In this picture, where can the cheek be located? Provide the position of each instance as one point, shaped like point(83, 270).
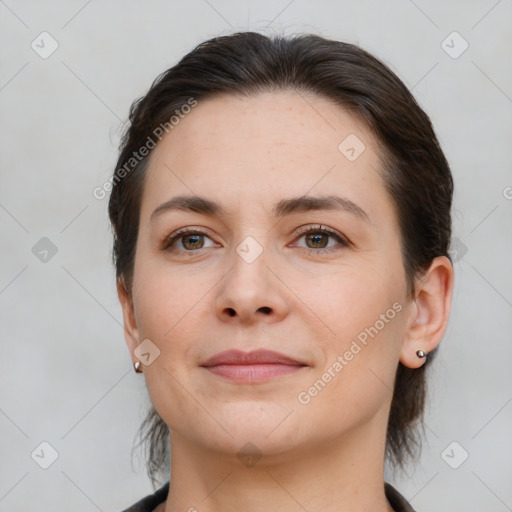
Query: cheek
point(165, 310)
point(356, 379)
point(170, 310)
point(363, 320)
point(349, 298)
point(164, 299)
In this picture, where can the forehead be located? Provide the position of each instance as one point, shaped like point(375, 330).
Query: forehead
point(265, 147)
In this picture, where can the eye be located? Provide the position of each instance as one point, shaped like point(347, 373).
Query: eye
point(190, 239)
point(318, 237)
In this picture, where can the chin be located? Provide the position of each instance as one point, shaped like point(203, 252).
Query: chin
point(256, 444)
point(267, 431)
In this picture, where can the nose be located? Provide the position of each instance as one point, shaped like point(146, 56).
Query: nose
point(251, 291)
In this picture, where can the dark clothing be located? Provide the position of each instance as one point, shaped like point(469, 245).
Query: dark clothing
point(396, 500)
point(150, 502)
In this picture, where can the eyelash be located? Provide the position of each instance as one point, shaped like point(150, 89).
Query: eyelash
point(167, 243)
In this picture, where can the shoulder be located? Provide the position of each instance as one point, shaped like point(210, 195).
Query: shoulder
point(396, 500)
point(151, 501)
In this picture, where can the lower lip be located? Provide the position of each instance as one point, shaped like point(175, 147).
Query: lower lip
point(248, 373)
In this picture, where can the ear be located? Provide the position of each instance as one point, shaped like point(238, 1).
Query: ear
point(131, 332)
point(429, 313)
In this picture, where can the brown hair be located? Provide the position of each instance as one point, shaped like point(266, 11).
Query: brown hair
point(415, 171)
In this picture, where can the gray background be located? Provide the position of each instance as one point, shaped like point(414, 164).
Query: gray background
point(65, 373)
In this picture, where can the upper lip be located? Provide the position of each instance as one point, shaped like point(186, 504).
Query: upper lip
point(260, 356)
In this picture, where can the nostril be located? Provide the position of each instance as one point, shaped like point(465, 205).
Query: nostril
point(231, 312)
point(265, 309)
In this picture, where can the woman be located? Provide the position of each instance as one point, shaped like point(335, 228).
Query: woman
point(281, 217)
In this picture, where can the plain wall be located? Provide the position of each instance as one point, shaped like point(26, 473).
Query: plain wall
point(65, 372)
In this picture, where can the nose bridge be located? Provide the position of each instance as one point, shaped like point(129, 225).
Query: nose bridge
point(249, 264)
point(249, 288)
point(250, 249)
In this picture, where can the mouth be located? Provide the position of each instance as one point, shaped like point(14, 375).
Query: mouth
point(251, 367)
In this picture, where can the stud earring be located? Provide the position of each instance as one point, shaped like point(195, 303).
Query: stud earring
point(137, 367)
point(421, 354)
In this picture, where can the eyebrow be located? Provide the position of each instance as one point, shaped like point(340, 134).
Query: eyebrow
point(285, 207)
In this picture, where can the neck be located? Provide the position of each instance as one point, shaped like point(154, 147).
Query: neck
point(344, 474)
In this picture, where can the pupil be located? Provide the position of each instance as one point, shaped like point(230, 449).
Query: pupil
point(188, 237)
point(316, 238)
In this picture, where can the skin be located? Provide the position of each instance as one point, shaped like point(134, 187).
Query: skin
point(248, 154)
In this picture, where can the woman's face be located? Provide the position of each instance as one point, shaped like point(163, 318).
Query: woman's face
point(254, 279)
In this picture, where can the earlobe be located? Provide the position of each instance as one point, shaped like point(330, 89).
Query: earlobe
point(131, 333)
point(430, 314)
